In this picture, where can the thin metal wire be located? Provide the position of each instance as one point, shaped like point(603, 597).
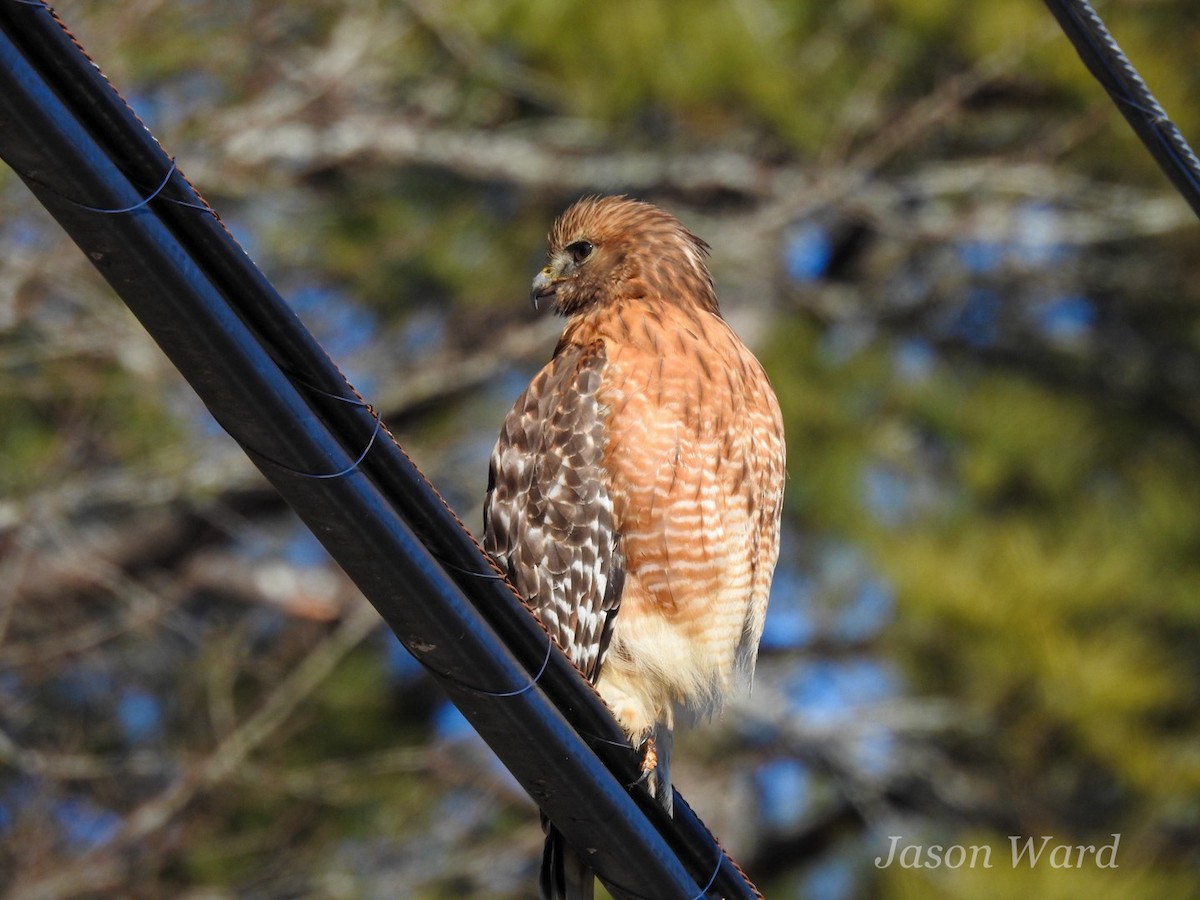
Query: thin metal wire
point(703, 895)
point(483, 692)
point(712, 880)
point(339, 474)
point(474, 573)
point(140, 204)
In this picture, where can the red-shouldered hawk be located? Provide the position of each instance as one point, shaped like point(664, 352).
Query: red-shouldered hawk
point(635, 490)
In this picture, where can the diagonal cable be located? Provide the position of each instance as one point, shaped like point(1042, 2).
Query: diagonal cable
point(1111, 67)
point(84, 154)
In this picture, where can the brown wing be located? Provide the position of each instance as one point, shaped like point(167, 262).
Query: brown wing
point(548, 517)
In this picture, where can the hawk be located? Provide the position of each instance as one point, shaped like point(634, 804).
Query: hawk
point(635, 490)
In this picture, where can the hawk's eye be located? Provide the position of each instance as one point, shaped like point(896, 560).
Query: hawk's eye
point(580, 250)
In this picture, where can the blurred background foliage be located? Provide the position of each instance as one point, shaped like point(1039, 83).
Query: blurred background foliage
point(974, 292)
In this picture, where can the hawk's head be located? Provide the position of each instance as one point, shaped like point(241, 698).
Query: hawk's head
point(608, 248)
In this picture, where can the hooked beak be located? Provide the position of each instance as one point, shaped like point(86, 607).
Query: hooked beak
point(544, 285)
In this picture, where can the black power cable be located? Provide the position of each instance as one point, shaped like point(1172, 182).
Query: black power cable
point(1109, 65)
point(74, 141)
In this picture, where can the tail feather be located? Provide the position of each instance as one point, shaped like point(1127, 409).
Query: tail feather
point(660, 778)
point(565, 875)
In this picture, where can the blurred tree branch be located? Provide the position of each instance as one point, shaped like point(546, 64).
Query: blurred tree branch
point(107, 866)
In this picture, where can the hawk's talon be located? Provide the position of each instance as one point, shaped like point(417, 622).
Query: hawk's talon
point(649, 757)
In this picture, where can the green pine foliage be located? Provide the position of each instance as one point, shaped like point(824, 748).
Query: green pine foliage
point(1048, 580)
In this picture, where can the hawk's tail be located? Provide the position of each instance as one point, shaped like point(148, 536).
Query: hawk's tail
point(565, 875)
point(660, 777)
